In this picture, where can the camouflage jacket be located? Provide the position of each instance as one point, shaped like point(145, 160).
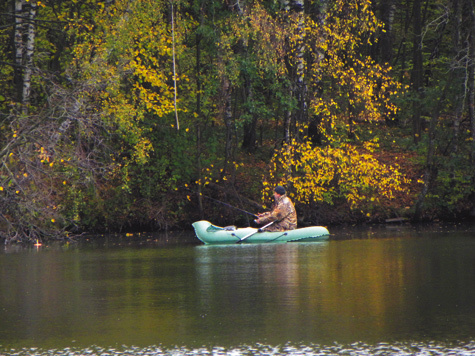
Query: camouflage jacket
point(283, 213)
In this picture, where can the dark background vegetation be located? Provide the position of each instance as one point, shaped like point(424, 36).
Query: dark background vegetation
point(149, 115)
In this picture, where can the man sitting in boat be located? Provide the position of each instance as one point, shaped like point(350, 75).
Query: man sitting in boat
point(283, 213)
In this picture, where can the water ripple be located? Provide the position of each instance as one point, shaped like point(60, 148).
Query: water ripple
point(355, 349)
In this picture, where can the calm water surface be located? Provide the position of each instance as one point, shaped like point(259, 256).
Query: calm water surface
point(385, 290)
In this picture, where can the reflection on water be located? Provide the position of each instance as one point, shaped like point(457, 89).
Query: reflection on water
point(404, 292)
point(367, 290)
point(359, 348)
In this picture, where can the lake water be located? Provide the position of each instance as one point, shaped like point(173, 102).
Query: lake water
point(388, 290)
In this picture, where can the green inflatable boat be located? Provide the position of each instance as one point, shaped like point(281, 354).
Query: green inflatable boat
point(212, 234)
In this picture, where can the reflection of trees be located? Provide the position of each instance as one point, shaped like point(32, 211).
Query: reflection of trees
point(352, 290)
point(253, 290)
point(135, 296)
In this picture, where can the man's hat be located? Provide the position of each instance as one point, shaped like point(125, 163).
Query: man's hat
point(280, 190)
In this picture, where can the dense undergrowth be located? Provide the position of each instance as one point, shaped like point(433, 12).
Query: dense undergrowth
point(149, 115)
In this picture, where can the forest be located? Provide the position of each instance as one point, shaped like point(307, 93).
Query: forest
point(147, 115)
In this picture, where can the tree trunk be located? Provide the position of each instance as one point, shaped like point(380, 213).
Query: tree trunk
point(199, 195)
point(401, 51)
point(287, 124)
point(18, 42)
point(300, 87)
point(249, 128)
point(24, 41)
point(198, 123)
point(387, 9)
point(177, 123)
point(456, 18)
point(297, 74)
point(29, 52)
point(470, 13)
point(416, 74)
point(228, 121)
point(430, 171)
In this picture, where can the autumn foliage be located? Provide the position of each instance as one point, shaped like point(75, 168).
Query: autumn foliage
point(120, 115)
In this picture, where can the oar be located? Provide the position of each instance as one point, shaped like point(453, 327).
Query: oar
point(255, 232)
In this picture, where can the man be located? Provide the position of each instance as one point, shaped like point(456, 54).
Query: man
point(283, 213)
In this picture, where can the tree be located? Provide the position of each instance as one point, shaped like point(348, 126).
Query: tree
point(348, 177)
point(471, 90)
point(24, 45)
point(416, 73)
point(356, 88)
point(387, 9)
point(94, 141)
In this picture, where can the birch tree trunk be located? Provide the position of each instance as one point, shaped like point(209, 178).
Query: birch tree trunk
point(24, 41)
point(18, 42)
point(29, 52)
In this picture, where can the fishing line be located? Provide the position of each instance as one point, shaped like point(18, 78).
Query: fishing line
point(221, 202)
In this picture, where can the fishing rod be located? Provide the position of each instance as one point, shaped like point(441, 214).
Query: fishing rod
point(230, 206)
point(223, 203)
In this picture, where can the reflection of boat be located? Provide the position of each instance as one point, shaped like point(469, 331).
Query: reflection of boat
point(212, 234)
